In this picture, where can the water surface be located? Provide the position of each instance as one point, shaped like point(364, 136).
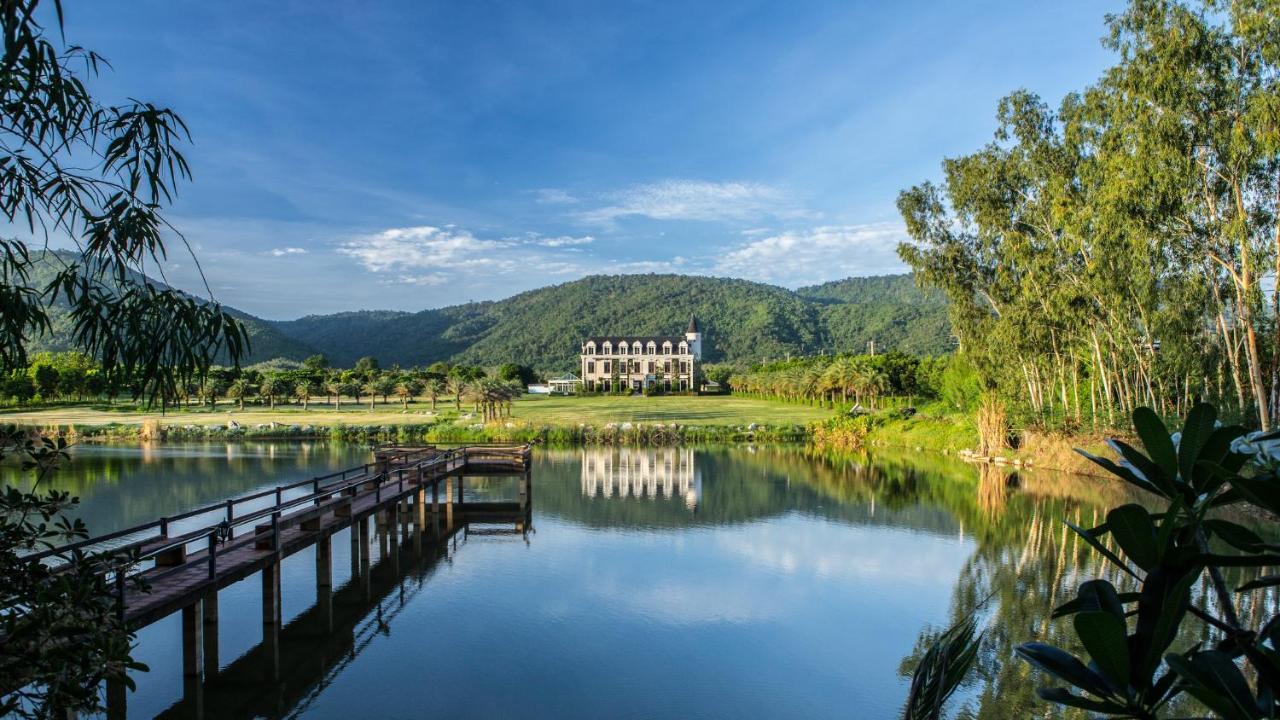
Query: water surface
point(691, 583)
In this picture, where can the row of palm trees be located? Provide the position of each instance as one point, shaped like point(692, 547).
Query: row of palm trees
point(490, 395)
point(818, 380)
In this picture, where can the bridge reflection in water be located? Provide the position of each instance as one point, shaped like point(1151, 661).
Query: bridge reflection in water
point(622, 472)
point(395, 553)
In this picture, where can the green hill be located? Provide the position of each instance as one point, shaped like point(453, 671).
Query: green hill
point(743, 321)
point(266, 342)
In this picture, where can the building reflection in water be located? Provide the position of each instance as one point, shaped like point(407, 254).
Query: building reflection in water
point(641, 473)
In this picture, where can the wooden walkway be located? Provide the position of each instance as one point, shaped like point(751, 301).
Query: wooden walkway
point(165, 573)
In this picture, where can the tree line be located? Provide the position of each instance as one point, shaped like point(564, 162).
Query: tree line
point(75, 376)
point(1121, 249)
point(853, 379)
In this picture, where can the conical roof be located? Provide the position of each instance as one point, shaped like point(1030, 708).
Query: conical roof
point(693, 325)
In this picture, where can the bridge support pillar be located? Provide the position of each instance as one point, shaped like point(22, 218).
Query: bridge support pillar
point(355, 550)
point(523, 490)
point(193, 640)
point(271, 618)
point(435, 497)
point(324, 582)
point(448, 501)
point(210, 630)
point(365, 573)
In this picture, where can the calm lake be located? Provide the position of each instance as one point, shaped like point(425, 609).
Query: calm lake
point(684, 583)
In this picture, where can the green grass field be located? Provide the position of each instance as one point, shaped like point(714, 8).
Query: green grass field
point(531, 410)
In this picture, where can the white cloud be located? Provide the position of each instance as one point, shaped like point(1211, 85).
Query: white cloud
point(565, 241)
point(553, 196)
point(806, 257)
point(281, 252)
point(423, 247)
point(687, 200)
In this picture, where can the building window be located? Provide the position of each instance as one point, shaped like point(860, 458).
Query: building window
point(666, 367)
point(635, 366)
point(651, 364)
point(591, 348)
point(604, 366)
point(666, 348)
point(591, 366)
point(622, 348)
point(608, 348)
point(652, 348)
point(591, 385)
point(684, 348)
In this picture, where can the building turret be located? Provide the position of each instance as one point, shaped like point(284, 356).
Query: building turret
point(694, 336)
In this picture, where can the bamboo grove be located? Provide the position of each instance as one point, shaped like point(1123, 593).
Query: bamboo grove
point(1122, 250)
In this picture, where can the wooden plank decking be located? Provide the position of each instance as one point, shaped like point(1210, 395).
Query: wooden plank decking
point(188, 566)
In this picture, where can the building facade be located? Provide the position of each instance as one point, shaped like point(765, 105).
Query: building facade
point(617, 363)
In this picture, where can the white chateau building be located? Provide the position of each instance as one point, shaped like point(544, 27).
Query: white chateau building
point(612, 363)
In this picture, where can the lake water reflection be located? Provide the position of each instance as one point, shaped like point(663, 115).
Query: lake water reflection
point(680, 582)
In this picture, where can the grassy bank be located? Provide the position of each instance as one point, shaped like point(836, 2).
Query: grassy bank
point(935, 427)
point(559, 420)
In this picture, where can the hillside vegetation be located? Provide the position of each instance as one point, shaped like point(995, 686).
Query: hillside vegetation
point(743, 322)
point(267, 342)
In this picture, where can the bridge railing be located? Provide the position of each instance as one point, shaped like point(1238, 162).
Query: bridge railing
point(413, 463)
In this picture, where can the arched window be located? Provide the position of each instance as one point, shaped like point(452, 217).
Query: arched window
point(684, 348)
point(622, 348)
point(652, 348)
point(666, 348)
point(591, 348)
point(608, 348)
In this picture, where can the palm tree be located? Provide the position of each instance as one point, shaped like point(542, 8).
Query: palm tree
point(239, 390)
point(406, 390)
point(351, 389)
point(383, 386)
point(270, 389)
point(303, 392)
point(434, 388)
point(335, 388)
point(211, 389)
point(456, 387)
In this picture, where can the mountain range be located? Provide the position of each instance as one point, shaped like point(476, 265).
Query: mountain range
point(742, 322)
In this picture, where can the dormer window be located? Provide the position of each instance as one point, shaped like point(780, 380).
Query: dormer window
point(666, 348)
point(622, 348)
point(652, 348)
point(684, 348)
point(608, 348)
point(591, 348)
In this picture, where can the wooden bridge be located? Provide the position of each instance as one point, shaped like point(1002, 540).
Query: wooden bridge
point(170, 570)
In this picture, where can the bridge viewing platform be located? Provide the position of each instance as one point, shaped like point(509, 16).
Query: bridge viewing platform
point(179, 563)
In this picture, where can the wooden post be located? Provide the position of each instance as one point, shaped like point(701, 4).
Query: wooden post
point(366, 589)
point(211, 661)
point(435, 496)
point(271, 619)
point(448, 501)
point(324, 564)
point(420, 508)
point(355, 551)
point(324, 581)
point(193, 640)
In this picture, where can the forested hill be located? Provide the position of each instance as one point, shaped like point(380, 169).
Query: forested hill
point(742, 321)
point(265, 341)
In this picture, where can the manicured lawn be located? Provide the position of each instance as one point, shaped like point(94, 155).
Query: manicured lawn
point(533, 409)
point(701, 410)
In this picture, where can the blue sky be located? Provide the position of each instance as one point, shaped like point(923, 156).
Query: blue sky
point(405, 155)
